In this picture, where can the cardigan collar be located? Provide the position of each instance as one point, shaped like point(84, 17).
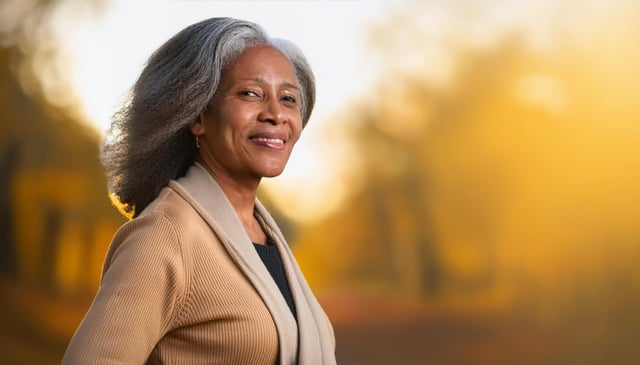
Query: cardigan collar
point(310, 340)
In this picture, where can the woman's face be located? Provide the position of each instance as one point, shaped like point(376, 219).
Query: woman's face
point(253, 121)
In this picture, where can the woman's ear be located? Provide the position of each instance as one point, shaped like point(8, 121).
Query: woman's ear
point(197, 128)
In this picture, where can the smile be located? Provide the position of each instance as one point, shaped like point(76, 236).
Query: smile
point(276, 143)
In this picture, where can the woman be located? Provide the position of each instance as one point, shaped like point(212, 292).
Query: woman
point(202, 274)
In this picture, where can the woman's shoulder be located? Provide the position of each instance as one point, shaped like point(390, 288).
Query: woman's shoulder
point(169, 204)
point(166, 222)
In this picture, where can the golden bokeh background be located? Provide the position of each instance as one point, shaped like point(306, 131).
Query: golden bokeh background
point(489, 184)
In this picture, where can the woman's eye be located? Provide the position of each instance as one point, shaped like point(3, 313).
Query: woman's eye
point(289, 99)
point(248, 93)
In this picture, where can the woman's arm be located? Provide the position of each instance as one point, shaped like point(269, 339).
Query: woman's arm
point(142, 284)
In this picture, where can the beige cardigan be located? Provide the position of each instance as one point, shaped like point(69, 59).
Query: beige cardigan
point(183, 284)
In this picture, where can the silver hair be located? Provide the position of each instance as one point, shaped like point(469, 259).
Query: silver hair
point(150, 141)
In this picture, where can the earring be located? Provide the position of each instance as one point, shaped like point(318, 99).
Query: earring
point(198, 142)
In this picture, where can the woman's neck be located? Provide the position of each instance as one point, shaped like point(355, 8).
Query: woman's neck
point(242, 196)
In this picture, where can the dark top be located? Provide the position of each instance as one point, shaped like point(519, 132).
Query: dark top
point(271, 258)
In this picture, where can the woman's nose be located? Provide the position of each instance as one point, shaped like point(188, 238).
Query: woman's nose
point(272, 112)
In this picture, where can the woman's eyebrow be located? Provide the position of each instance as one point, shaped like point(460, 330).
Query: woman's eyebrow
point(289, 85)
point(261, 80)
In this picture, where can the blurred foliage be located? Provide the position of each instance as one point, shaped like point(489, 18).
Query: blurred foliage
point(508, 185)
point(493, 203)
point(55, 205)
point(55, 216)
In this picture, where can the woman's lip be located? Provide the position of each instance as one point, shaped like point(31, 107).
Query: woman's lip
point(270, 135)
point(271, 140)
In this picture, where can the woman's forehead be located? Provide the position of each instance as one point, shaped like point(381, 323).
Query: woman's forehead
point(261, 62)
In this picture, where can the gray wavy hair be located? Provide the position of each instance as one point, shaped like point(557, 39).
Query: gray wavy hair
point(150, 141)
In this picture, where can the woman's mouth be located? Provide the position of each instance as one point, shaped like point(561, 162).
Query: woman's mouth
point(271, 142)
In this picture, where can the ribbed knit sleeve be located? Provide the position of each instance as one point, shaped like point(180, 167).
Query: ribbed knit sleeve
point(182, 284)
point(143, 282)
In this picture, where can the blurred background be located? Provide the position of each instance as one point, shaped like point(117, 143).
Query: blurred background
point(467, 192)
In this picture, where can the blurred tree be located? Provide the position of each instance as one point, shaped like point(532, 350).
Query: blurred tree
point(8, 162)
point(51, 175)
point(497, 176)
point(510, 176)
point(56, 219)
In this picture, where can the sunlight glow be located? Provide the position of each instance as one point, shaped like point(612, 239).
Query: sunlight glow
point(109, 53)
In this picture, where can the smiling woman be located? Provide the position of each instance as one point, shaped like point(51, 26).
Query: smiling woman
point(202, 272)
point(253, 120)
point(109, 52)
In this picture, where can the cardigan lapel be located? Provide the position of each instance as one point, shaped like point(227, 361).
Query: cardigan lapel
point(205, 195)
point(316, 344)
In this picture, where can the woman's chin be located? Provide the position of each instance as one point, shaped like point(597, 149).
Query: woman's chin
point(272, 169)
point(272, 173)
